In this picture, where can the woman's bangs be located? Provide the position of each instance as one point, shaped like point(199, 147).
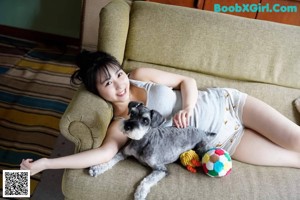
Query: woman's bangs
point(105, 73)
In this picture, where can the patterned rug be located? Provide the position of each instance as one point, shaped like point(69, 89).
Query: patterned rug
point(34, 93)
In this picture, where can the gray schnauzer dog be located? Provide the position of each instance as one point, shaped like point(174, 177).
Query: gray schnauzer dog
point(154, 145)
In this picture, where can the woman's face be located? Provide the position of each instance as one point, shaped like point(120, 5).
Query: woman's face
point(114, 89)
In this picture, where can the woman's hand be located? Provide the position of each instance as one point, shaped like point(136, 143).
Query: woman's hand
point(34, 167)
point(181, 119)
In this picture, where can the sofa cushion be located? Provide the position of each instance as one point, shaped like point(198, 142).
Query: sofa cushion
point(121, 181)
point(214, 43)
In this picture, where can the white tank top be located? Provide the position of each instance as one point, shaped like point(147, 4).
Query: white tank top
point(208, 113)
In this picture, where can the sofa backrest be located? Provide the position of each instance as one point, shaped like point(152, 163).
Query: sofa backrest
point(206, 42)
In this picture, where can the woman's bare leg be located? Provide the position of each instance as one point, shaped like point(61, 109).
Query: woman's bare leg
point(258, 150)
point(270, 138)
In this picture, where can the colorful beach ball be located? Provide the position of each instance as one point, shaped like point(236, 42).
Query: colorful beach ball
point(216, 162)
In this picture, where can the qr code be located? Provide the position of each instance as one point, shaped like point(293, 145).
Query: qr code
point(16, 183)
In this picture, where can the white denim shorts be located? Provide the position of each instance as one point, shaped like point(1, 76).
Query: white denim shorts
point(232, 129)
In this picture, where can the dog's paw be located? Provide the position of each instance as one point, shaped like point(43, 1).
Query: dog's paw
point(97, 170)
point(100, 169)
point(140, 195)
point(141, 192)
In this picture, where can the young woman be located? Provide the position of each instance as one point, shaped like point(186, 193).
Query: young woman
point(252, 131)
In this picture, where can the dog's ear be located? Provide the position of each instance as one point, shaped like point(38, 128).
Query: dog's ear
point(133, 104)
point(156, 119)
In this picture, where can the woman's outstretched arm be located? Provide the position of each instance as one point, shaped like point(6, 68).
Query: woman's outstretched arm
point(114, 140)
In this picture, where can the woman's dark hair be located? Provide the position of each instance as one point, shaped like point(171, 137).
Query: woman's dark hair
point(90, 65)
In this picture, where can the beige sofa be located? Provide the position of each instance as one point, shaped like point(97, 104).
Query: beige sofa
point(257, 57)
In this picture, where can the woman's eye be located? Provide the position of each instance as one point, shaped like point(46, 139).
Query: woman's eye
point(108, 83)
point(120, 73)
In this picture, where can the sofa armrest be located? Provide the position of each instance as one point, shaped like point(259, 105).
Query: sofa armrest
point(86, 119)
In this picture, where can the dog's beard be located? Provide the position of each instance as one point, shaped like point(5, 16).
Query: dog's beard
point(136, 133)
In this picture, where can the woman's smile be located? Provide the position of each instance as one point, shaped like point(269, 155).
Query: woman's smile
point(122, 93)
